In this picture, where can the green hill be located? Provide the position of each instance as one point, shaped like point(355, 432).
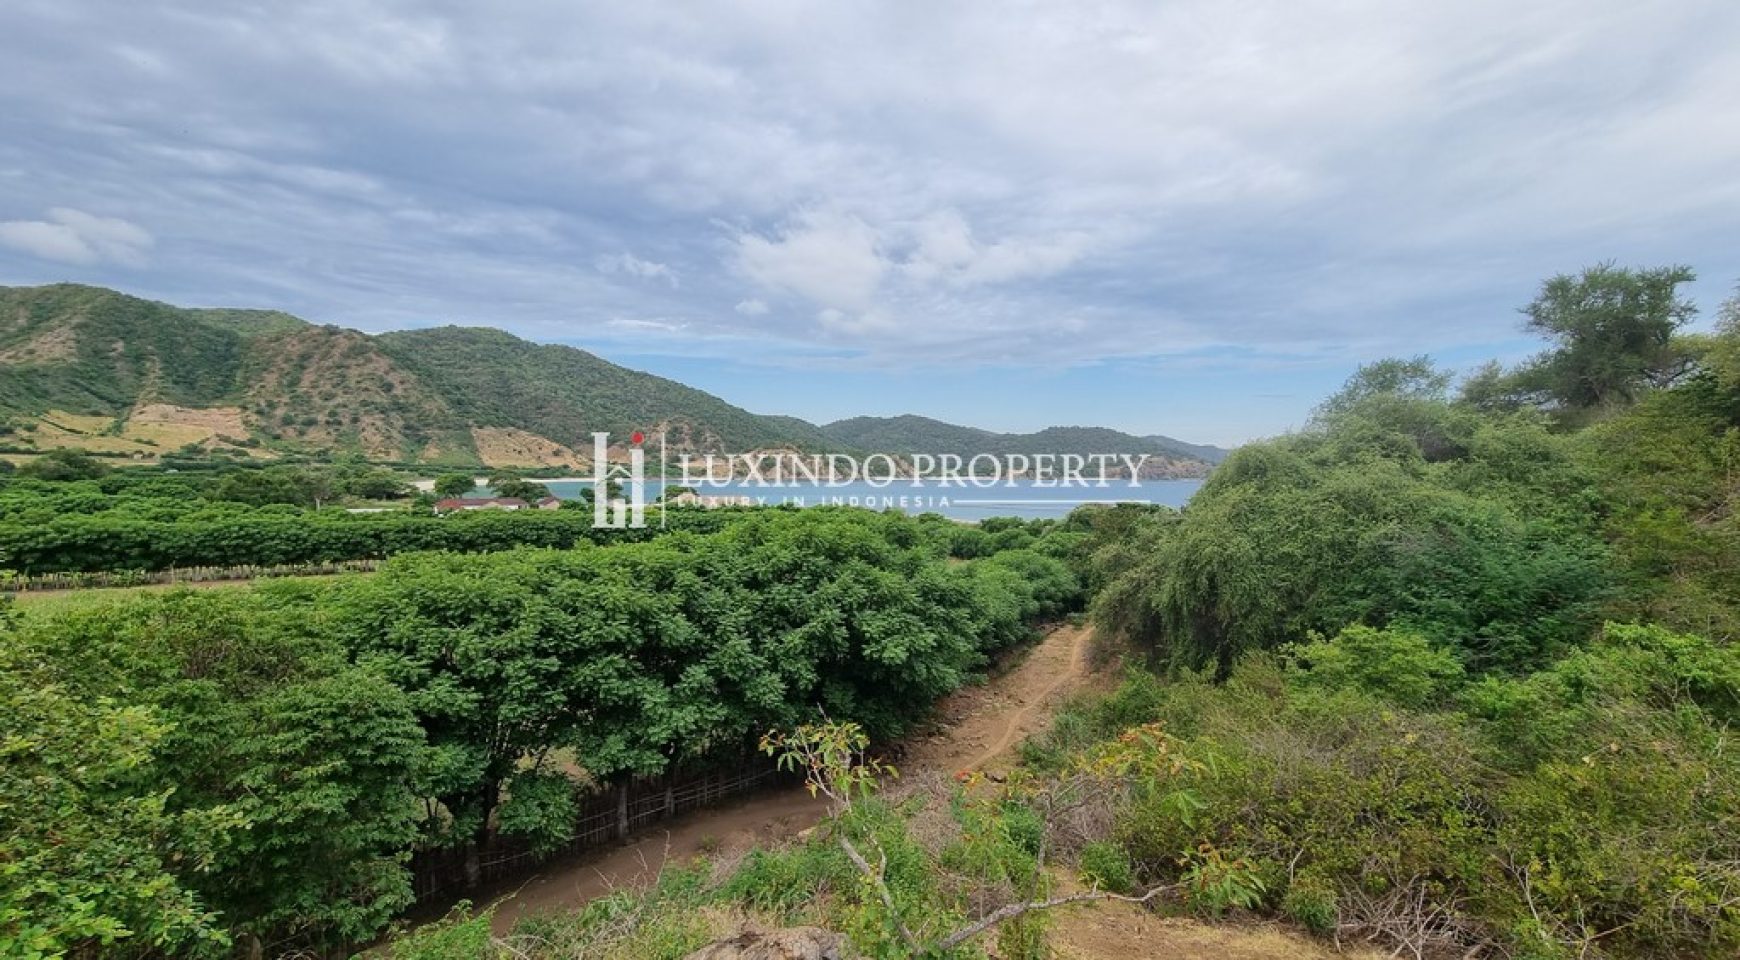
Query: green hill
point(114, 374)
point(88, 351)
point(564, 394)
point(915, 434)
point(93, 368)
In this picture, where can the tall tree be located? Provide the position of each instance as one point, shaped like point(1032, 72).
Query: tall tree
point(1613, 334)
point(520, 487)
point(454, 484)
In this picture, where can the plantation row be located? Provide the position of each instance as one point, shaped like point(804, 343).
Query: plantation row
point(189, 773)
point(101, 542)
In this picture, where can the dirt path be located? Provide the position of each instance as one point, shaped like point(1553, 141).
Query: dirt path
point(986, 723)
point(982, 726)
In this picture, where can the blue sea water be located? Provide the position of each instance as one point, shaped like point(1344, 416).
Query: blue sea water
point(1020, 499)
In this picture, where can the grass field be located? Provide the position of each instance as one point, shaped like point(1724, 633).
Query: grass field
point(45, 602)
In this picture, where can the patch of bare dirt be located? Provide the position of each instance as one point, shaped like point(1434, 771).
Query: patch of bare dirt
point(214, 420)
point(509, 447)
point(49, 346)
point(984, 724)
point(1110, 930)
point(725, 831)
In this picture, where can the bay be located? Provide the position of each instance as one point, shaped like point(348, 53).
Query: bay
point(1017, 499)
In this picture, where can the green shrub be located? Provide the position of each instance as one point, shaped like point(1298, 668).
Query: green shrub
point(461, 935)
point(661, 923)
point(1396, 664)
point(1106, 865)
point(1310, 902)
point(784, 881)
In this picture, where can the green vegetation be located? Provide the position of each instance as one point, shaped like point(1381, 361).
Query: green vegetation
point(92, 351)
point(254, 766)
point(506, 483)
point(1585, 806)
point(139, 520)
point(63, 465)
point(1458, 673)
point(411, 396)
point(490, 378)
point(455, 484)
point(1449, 673)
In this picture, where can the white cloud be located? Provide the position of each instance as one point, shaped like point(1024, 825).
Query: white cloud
point(829, 257)
point(646, 325)
point(1086, 179)
point(627, 264)
point(73, 236)
point(946, 250)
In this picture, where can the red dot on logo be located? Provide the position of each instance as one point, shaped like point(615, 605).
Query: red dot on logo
point(637, 438)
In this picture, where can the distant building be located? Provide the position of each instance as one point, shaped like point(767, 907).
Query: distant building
point(549, 503)
point(452, 504)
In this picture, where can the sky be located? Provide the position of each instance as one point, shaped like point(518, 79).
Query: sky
point(1188, 217)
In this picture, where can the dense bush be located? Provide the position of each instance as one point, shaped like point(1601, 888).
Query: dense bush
point(1421, 733)
point(1586, 805)
point(283, 535)
point(1275, 548)
point(316, 730)
point(297, 763)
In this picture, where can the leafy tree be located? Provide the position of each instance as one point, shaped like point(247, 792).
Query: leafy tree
point(1394, 408)
point(86, 857)
point(1397, 665)
point(294, 485)
point(1613, 331)
point(612, 490)
point(454, 484)
point(526, 490)
point(64, 465)
point(373, 484)
point(1412, 379)
point(1398, 508)
point(321, 484)
point(267, 727)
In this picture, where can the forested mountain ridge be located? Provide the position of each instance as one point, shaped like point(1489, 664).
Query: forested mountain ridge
point(95, 369)
point(84, 363)
point(922, 434)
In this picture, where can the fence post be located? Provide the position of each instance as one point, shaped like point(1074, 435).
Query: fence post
point(622, 811)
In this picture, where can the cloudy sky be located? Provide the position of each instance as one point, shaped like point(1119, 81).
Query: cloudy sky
point(1187, 216)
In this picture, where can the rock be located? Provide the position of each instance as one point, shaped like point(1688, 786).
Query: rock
point(795, 943)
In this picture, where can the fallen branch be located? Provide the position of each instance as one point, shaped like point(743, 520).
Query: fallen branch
point(875, 876)
point(1013, 910)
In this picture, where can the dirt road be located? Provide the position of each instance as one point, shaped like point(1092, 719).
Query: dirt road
point(982, 725)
